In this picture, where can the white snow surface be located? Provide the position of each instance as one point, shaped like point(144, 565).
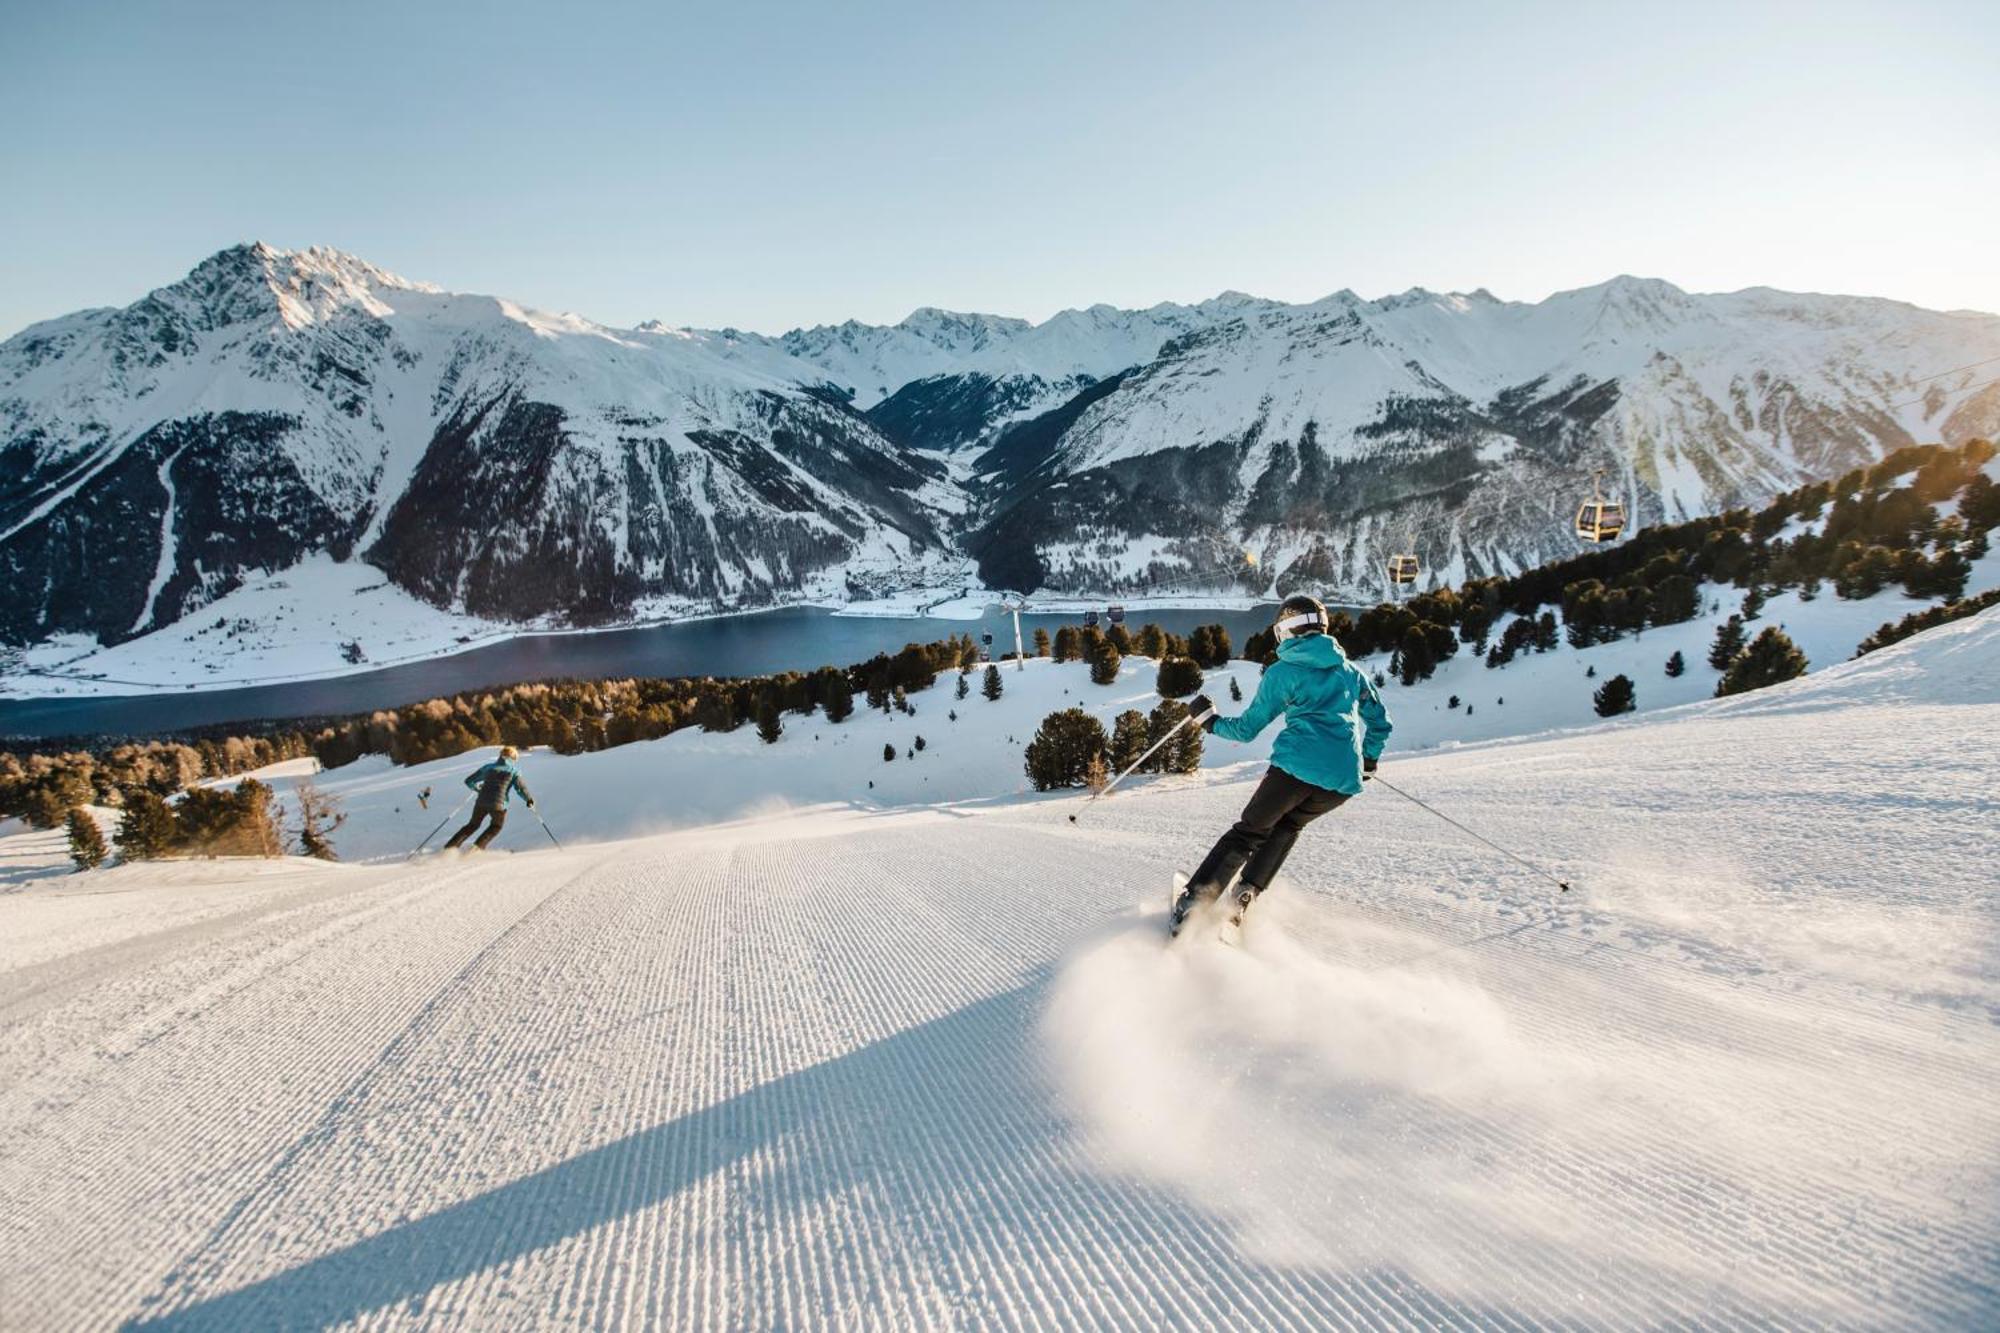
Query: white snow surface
point(931, 1065)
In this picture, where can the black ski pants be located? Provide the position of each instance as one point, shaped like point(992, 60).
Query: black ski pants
point(1261, 840)
point(496, 813)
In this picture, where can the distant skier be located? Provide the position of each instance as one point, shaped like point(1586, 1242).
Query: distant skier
point(424, 798)
point(1335, 727)
point(496, 783)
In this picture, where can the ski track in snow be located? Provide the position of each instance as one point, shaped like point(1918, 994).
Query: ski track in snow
point(932, 1067)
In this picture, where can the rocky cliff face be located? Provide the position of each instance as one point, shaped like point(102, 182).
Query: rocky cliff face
point(523, 465)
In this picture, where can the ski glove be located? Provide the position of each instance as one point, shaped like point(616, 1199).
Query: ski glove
point(1203, 707)
point(1368, 767)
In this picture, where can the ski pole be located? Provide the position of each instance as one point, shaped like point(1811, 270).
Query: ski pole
point(434, 832)
point(1562, 884)
point(545, 826)
point(1191, 717)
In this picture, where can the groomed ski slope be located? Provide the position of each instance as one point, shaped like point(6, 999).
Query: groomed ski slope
point(932, 1067)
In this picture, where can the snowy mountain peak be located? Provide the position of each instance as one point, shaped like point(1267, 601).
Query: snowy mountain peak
point(956, 329)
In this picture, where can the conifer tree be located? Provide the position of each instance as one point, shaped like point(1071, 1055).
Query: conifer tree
point(1178, 678)
point(1128, 739)
point(888, 754)
point(1676, 664)
point(1181, 754)
point(86, 840)
point(1105, 663)
point(147, 829)
point(1235, 691)
point(1771, 657)
point(1041, 642)
point(1615, 696)
point(1728, 643)
point(964, 685)
point(769, 725)
point(839, 703)
point(1063, 749)
point(1065, 649)
point(992, 686)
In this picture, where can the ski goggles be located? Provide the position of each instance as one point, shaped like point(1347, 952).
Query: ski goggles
point(1293, 626)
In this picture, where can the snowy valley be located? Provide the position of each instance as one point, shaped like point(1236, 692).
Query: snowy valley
point(298, 448)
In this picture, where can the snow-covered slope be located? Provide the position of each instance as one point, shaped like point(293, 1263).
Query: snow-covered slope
point(933, 1067)
point(491, 458)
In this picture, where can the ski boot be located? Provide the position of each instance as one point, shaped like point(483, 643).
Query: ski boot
point(1191, 897)
point(1232, 929)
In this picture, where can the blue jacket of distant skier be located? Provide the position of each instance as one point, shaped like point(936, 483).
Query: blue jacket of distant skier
point(496, 783)
point(1333, 714)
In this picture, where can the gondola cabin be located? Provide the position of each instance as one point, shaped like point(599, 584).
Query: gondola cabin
point(1600, 520)
point(1116, 614)
point(1090, 620)
point(1403, 569)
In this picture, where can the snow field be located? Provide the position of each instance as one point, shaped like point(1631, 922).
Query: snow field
point(931, 1067)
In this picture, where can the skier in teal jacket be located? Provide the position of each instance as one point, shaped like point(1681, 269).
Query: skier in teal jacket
point(1335, 728)
point(496, 784)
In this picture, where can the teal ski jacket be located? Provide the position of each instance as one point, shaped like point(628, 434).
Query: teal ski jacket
point(1333, 714)
point(496, 784)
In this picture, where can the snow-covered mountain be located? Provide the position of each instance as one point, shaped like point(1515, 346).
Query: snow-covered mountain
point(945, 380)
point(519, 465)
point(1306, 443)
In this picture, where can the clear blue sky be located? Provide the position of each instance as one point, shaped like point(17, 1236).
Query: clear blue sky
point(767, 165)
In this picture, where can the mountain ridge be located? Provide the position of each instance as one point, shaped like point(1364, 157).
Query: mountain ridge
point(532, 465)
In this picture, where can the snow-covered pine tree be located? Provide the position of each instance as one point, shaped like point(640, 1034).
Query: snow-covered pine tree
point(1615, 696)
point(1771, 657)
point(86, 840)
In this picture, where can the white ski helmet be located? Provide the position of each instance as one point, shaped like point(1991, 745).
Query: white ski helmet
point(1300, 615)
